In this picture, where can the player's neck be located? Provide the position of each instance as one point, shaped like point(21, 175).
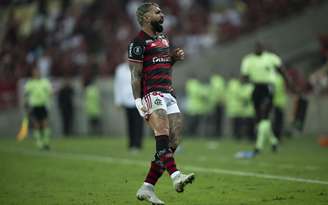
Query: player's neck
point(149, 31)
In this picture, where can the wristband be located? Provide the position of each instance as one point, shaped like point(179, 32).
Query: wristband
point(138, 103)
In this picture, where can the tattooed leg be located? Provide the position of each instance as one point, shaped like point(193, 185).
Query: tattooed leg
point(175, 121)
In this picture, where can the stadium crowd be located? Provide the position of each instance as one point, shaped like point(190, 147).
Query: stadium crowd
point(77, 38)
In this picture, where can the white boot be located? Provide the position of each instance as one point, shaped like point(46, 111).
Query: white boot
point(146, 192)
point(181, 180)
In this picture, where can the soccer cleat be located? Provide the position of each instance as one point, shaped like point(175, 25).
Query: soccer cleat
point(181, 180)
point(147, 193)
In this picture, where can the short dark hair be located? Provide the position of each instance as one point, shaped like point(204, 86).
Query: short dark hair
point(142, 9)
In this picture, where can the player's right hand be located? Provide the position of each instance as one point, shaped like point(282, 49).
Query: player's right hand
point(141, 108)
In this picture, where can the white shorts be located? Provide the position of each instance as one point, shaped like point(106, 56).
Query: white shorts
point(158, 100)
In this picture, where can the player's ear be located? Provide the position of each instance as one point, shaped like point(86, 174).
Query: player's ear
point(146, 17)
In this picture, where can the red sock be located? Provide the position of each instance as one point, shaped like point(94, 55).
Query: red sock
point(155, 172)
point(169, 162)
point(164, 153)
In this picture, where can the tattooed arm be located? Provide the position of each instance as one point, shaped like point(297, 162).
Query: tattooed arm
point(136, 75)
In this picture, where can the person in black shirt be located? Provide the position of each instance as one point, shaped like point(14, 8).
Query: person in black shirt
point(66, 107)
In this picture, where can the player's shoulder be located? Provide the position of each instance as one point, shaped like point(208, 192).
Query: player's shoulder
point(248, 57)
point(162, 36)
point(140, 38)
point(271, 54)
point(272, 57)
point(44, 80)
point(28, 83)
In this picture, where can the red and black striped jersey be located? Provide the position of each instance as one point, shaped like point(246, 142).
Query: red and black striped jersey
point(154, 53)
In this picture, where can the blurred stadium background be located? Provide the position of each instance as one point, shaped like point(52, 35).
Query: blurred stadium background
point(76, 39)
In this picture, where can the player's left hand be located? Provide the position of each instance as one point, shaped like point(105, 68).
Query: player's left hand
point(178, 54)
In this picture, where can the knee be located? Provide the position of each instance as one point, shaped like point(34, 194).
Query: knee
point(161, 130)
point(159, 127)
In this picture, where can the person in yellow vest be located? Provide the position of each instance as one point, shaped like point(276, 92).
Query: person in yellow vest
point(37, 96)
point(234, 107)
point(197, 105)
point(247, 111)
point(260, 68)
point(216, 101)
point(93, 106)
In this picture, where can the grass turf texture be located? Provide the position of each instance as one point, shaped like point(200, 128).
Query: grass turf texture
point(102, 171)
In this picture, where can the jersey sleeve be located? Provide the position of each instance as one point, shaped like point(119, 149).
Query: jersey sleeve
point(136, 51)
point(276, 60)
point(27, 87)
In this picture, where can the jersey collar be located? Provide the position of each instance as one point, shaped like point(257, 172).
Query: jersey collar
point(154, 37)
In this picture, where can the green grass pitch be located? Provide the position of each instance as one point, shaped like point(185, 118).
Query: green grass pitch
point(83, 171)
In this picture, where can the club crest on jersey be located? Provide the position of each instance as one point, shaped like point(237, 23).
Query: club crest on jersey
point(158, 102)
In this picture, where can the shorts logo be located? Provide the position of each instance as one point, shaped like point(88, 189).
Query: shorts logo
point(158, 102)
point(137, 50)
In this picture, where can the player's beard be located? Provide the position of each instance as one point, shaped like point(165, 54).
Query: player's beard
point(157, 26)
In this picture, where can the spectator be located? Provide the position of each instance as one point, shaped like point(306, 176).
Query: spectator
point(93, 106)
point(66, 107)
point(197, 106)
point(123, 97)
point(216, 100)
point(234, 107)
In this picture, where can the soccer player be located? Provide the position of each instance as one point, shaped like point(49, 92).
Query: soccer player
point(260, 68)
point(150, 61)
point(37, 92)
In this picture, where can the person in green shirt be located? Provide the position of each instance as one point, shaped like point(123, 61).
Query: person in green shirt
point(234, 107)
point(93, 106)
point(247, 113)
point(197, 105)
point(260, 68)
point(239, 108)
point(37, 95)
point(216, 101)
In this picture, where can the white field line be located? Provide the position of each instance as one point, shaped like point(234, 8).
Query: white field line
point(106, 159)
